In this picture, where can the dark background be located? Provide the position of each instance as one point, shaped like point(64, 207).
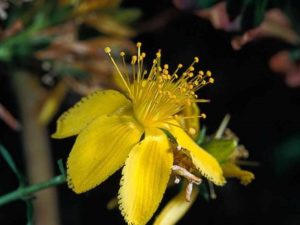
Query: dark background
point(265, 116)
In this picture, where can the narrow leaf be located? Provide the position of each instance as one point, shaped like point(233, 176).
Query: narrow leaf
point(9, 160)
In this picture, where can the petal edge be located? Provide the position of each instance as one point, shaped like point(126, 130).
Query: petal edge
point(100, 150)
point(86, 110)
point(207, 165)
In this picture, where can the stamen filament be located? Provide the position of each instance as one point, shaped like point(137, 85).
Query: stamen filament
point(108, 52)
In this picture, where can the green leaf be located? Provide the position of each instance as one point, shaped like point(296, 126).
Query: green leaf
point(260, 10)
point(9, 160)
point(221, 149)
point(126, 16)
point(5, 53)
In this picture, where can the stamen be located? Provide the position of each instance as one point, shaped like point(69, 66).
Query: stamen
point(177, 180)
point(202, 115)
point(212, 192)
point(108, 52)
point(192, 131)
point(122, 54)
point(186, 174)
point(159, 95)
point(188, 191)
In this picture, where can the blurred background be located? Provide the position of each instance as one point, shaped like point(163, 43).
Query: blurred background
point(51, 54)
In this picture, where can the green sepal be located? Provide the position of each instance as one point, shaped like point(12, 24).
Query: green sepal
point(221, 149)
point(201, 136)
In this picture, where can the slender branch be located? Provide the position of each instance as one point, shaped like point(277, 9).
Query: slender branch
point(25, 192)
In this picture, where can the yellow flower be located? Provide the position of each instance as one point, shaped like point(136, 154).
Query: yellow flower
point(134, 128)
point(178, 206)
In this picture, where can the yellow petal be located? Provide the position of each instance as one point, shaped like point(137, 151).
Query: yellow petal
point(204, 162)
point(145, 177)
point(232, 170)
point(176, 209)
point(80, 115)
point(101, 149)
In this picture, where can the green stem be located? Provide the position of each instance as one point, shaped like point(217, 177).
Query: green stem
point(23, 192)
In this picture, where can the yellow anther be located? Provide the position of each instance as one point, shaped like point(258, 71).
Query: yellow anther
point(172, 96)
point(165, 77)
point(211, 80)
point(196, 59)
point(195, 96)
point(208, 73)
point(140, 58)
point(192, 131)
point(107, 50)
point(176, 76)
point(191, 74)
point(143, 54)
point(201, 72)
point(158, 54)
point(139, 44)
point(203, 115)
point(196, 83)
point(191, 68)
point(203, 82)
point(122, 54)
point(133, 59)
point(180, 66)
point(166, 66)
point(191, 86)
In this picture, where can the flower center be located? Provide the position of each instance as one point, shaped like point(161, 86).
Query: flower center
point(158, 94)
point(183, 167)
